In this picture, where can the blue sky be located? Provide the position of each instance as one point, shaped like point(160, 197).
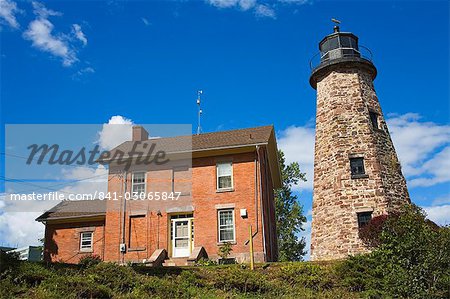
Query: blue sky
point(83, 62)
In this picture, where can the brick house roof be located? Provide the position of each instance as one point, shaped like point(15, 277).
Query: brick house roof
point(201, 142)
point(75, 209)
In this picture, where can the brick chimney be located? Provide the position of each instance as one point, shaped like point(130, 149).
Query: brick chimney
point(139, 133)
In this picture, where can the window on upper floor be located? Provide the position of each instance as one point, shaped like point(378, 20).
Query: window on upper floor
point(374, 119)
point(357, 167)
point(226, 225)
point(181, 180)
point(364, 218)
point(224, 176)
point(138, 183)
point(86, 241)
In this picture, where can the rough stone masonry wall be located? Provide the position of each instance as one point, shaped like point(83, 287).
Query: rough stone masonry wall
point(344, 130)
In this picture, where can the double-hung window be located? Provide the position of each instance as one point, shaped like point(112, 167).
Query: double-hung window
point(226, 225)
point(224, 176)
point(86, 241)
point(138, 183)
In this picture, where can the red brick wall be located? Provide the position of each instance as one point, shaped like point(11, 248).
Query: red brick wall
point(62, 241)
point(206, 198)
point(153, 230)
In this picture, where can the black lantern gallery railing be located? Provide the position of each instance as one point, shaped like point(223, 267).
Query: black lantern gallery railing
point(338, 53)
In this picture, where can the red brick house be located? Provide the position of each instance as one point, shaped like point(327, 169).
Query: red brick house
point(225, 187)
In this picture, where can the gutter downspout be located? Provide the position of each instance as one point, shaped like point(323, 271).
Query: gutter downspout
point(124, 215)
point(256, 194)
point(257, 189)
point(262, 205)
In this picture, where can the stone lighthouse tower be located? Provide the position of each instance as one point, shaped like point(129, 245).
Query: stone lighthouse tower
point(357, 174)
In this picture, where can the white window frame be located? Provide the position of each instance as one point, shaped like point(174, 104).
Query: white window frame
point(217, 176)
point(91, 246)
point(133, 183)
point(219, 226)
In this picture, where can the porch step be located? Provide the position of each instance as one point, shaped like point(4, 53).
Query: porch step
point(175, 262)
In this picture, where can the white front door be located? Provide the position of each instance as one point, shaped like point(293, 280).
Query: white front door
point(181, 237)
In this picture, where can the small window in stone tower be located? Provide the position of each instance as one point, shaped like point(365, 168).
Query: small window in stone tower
point(357, 167)
point(364, 218)
point(374, 119)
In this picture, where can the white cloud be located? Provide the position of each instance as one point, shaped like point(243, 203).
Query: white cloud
point(223, 3)
point(247, 4)
point(40, 33)
point(19, 229)
point(40, 10)
point(261, 9)
point(241, 4)
point(8, 11)
point(297, 143)
point(79, 34)
point(81, 72)
point(145, 21)
point(436, 170)
point(265, 11)
point(439, 214)
point(423, 149)
point(299, 2)
point(116, 131)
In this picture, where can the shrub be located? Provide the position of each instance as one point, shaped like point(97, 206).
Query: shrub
point(11, 289)
point(370, 234)
point(73, 287)
point(88, 261)
point(411, 260)
point(242, 280)
point(361, 273)
point(308, 275)
point(31, 273)
point(118, 278)
point(8, 260)
point(225, 249)
point(205, 262)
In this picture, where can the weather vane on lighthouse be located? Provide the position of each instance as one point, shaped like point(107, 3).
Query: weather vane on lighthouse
point(199, 128)
point(337, 22)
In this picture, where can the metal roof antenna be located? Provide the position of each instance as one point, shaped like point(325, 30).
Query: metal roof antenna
point(199, 127)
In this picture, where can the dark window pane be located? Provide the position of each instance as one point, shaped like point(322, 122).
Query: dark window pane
point(364, 218)
point(354, 44)
point(325, 47)
point(345, 42)
point(357, 166)
point(374, 119)
point(225, 182)
point(139, 177)
point(333, 43)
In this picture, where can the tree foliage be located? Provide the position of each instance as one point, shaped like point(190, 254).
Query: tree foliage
point(411, 258)
point(289, 213)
